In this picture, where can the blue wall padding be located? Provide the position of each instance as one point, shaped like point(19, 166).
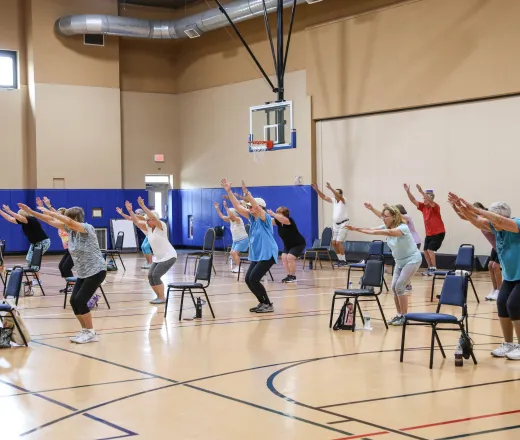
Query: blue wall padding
point(301, 200)
point(106, 199)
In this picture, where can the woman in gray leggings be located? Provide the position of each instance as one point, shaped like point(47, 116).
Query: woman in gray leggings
point(406, 255)
point(164, 254)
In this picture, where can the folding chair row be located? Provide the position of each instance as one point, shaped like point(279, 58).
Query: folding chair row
point(208, 248)
point(320, 248)
point(71, 282)
point(13, 290)
point(118, 249)
point(36, 261)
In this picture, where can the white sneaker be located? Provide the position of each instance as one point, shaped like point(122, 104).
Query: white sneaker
point(146, 266)
point(514, 355)
point(35, 283)
point(78, 334)
point(87, 336)
point(504, 349)
point(495, 295)
point(235, 270)
point(492, 295)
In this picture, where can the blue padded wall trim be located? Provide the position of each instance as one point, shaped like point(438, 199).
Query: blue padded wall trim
point(301, 200)
point(106, 199)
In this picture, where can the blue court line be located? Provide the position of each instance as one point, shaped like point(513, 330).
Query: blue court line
point(70, 408)
point(272, 388)
point(399, 396)
point(77, 386)
point(489, 431)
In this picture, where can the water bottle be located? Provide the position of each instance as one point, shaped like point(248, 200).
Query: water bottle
point(459, 361)
point(230, 263)
point(368, 324)
point(198, 309)
point(350, 285)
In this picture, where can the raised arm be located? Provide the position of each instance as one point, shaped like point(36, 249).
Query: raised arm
point(234, 201)
point(337, 195)
point(469, 214)
point(232, 217)
point(410, 195)
point(248, 198)
point(125, 216)
point(377, 213)
point(8, 217)
point(427, 200)
point(281, 218)
point(155, 221)
point(47, 202)
point(43, 217)
point(498, 221)
point(222, 216)
point(14, 215)
point(395, 232)
point(320, 194)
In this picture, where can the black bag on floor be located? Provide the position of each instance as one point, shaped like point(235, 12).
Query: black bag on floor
point(345, 319)
point(5, 337)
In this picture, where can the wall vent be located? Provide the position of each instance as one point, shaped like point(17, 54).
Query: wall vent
point(102, 237)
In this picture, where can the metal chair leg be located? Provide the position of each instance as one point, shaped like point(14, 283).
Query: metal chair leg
point(432, 347)
point(209, 303)
point(474, 290)
point(332, 310)
point(433, 287)
point(382, 313)
point(182, 302)
point(18, 327)
point(122, 264)
point(166, 303)
point(403, 335)
point(104, 296)
point(440, 345)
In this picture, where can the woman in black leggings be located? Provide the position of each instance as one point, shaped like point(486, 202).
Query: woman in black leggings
point(90, 265)
point(263, 250)
point(497, 219)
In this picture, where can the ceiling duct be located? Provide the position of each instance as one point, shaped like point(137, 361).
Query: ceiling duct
point(185, 27)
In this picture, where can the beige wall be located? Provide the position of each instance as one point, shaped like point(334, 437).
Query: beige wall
point(150, 126)
point(78, 136)
point(214, 128)
point(456, 148)
point(423, 52)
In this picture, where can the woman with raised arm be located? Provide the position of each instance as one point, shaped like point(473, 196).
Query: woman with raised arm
point(407, 257)
point(145, 246)
point(495, 272)
point(238, 233)
point(293, 242)
point(164, 253)
point(91, 267)
point(263, 250)
point(34, 232)
point(498, 221)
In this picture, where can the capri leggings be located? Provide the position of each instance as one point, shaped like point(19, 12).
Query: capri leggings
point(83, 291)
point(508, 301)
point(403, 277)
point(157, 270)
point(145, 247)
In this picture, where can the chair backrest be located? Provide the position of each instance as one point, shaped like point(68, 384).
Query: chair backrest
point(119, 241)
point(374, 271)
point(2, 247)
point(248, 228)
point(326, 237)
point(465, 257)
point(219, 232)
point(376, 248)
point(15, 282)
point(36, 260)
point(454, 291)
point(209, 240)
point(204, 268)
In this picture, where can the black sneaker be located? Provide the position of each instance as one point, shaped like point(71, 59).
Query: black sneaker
point(287, 279)
point(254, 309)
point(292, 279)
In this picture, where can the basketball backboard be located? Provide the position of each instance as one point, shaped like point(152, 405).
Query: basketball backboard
point(273, 122)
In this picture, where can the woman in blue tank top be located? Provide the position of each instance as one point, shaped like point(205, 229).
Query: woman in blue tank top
point(263, 250)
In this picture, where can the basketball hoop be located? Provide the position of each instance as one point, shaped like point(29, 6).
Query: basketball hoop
point(258, 148)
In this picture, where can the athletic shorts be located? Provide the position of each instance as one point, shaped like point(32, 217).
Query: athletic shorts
point(339, 233)
point(295, 250)
point(434, 242)
point(241, 245)
point(494, 256)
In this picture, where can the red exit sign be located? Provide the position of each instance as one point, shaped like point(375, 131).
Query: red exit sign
point(158, 157)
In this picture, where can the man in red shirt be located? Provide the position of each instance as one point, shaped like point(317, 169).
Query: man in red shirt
point(433, 224)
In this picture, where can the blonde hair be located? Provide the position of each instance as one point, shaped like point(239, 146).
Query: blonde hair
point(62, 211)
point(396, 213)
point(155, 214)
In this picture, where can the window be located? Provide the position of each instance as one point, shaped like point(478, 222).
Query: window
point(158, 203)
point(156, 178)
point(8, 69)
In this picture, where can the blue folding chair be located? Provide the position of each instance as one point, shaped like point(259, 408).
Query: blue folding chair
point(454, 293)
point(464, 261)
point(376, 248)
point(320, 248)
point(373, 279)
point(13, 290)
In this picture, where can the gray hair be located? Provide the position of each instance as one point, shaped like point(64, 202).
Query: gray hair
point(139, 212)
point(501, 208)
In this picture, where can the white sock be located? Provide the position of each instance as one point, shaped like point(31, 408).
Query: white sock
point(341, 257)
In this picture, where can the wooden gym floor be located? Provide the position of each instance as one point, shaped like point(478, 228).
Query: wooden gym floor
point(244, 376)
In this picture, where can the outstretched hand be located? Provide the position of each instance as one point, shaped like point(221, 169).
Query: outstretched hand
point(419, 188)
point(270, 212)
point(350, 228)
point(216, 205)
point(329, 185)
point(24, 207)
point(244, 187)
point(140, 201)
point(47, 202)
point(225, 184)
point(224, 204)
point(119, 211)
point(39, 202)
point(407, 187)
point(128, 206)
point(6, 208)
point(368, 205)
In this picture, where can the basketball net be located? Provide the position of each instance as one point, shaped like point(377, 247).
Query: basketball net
point(258, 148)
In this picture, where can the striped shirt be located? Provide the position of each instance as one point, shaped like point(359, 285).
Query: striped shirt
point(85, 252)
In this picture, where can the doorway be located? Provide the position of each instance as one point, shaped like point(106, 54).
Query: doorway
point(158, 186)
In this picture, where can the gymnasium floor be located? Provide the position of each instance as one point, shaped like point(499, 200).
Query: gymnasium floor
point(244, 376)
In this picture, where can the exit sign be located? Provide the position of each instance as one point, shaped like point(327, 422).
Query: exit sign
point(158, 157)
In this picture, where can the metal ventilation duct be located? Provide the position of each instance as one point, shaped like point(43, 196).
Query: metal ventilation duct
point(182, 28)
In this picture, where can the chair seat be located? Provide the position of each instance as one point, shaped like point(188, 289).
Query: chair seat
point(244, 259)
point(183, 285)
point(321, 248)
point(431, 317)
point(358, 265)
point(24, 268)
point(71, 279)
point(354, 292)
point(5, 308)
